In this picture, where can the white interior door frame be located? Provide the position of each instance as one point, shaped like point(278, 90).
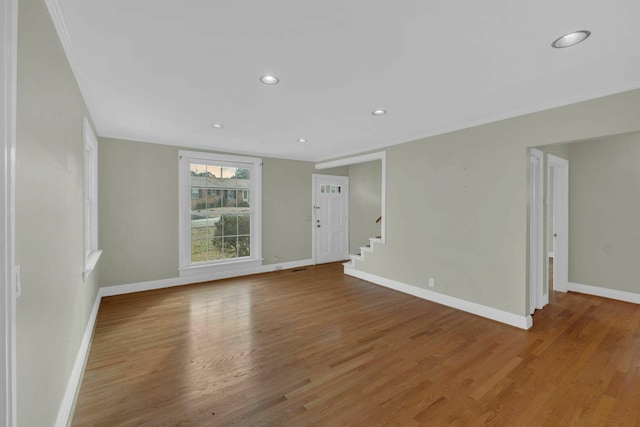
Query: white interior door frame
point(537, 297)
point(364, 158)
point(559, 210)
point(314, 194)
point(8, 72)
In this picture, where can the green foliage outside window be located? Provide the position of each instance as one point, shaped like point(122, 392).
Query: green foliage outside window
point(232, 235)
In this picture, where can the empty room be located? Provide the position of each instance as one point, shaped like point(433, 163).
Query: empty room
point(319, 213)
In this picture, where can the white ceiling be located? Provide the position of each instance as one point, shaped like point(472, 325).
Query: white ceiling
point(163, 71)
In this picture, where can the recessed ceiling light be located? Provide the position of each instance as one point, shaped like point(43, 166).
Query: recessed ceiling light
point(378, 112)
point(269, 80)
point(217, 125)
point(302, 140)
point(571, 39)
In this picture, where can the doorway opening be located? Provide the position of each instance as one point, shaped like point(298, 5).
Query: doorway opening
point(558, 222)
point(373, 213)
point(548, 227)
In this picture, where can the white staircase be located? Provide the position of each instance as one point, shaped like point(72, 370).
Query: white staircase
point(363, 250)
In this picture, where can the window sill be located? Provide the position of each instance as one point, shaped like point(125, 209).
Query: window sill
point(240, 266)
point(90, 263)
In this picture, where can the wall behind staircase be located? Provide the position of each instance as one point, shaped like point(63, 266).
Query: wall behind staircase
point(365, 184)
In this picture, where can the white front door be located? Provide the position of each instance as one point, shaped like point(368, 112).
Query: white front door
point(330, 218)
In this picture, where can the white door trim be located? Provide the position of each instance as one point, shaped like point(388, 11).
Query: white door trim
point(560, 212)
point(382, 156)
point(537, 298)
point(8, 85)
point(314, 180)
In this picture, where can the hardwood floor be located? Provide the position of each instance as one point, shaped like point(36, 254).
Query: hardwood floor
point(315, 347)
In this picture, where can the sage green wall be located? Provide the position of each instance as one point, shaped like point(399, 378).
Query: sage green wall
point(55, 304)
point(364, 203)
point(467, 227)
point(138, 211)
point(604, 209)
point(287, 208)
point(137, 178)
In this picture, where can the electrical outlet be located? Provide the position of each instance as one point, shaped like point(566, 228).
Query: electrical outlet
point(432, 282)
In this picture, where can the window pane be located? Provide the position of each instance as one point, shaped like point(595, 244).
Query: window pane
point(229, 247)
point(229, 198)
point(214, 172)
point(244, 247)
point(198, 202)
point(244, 225)
point(198, 232)
point(197, 170)
point(229, 177)
point(211, 227)
point(215, 249)
point(199, 250)
point(243, 174)
point(230, 225)
point(243, 201)
point(213, 199)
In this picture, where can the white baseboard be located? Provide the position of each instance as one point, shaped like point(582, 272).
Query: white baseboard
point(522, 322)
point(605, 292)
point(187, 280)
point(64, 413)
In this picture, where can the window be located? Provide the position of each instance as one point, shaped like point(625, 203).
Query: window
point(218, 229)
point(331, 189)
point(90, 199)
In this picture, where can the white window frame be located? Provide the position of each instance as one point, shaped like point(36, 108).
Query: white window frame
point(90, 198)
point(185, 159)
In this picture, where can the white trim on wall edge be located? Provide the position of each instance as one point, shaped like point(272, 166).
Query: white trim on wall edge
point(381, 155)
point(8, 269)
point(522, 322)
point(107, 291)
point(605, 292)
point(73, 386)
